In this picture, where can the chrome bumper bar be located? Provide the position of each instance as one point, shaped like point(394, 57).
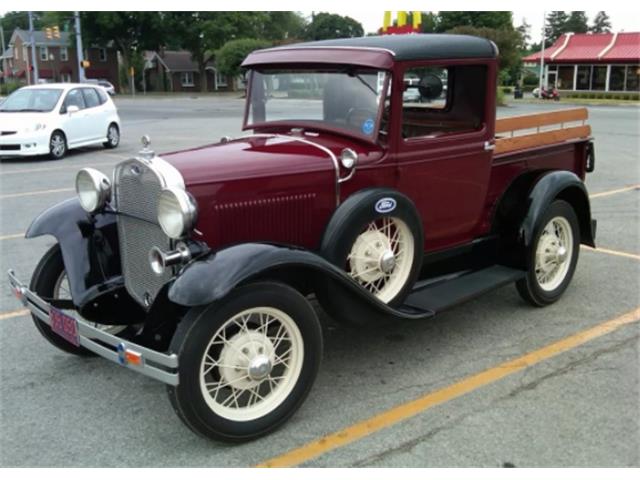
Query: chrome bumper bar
point(128, 354)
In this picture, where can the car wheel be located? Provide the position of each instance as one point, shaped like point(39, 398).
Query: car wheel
point(247, 362)
point(553, 256)
point(57, 145)
point(113, 136)
point(378, 241)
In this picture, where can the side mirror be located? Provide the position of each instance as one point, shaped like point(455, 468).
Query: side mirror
point(430, 86)
point(71, 109)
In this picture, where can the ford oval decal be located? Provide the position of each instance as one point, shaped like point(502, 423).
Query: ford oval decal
point(385, 205)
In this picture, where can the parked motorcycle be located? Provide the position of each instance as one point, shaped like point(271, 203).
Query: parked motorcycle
point(547, 94)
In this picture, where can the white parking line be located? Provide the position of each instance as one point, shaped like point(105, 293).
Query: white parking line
point(36, 192)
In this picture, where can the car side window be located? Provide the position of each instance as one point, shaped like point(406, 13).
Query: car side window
point(443, 100)
point(91, 97)
point(103, 96)
point(74, 97)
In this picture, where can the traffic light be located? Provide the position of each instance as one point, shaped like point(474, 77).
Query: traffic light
point(48, 33)
point(56, 31)
point(86, 64)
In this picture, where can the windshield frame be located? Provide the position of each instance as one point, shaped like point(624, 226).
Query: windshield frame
point(55, 104)
point(315, 125)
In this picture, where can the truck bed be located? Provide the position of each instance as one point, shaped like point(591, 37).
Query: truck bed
point(541, 129)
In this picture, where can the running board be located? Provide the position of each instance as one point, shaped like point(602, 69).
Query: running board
point(449, 292)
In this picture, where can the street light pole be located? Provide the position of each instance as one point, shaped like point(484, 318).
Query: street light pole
point(33, 50)
point(81, 76)
point(544, 19)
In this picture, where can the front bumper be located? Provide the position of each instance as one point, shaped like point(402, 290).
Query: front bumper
point(23, 144)
point(147, 362)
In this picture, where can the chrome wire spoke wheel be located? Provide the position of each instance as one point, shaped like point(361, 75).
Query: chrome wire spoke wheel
point(62, 291)
point(251, 364)
point(554, 253)
point(381, 257)
point(113, 136)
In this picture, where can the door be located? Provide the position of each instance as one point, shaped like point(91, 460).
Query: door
point(445, 148)
point(74, 124)
point(96, 115)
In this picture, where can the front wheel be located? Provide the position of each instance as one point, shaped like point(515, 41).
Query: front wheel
point(113, 136)
point(57, 145)
point(247, 362)
point(553, 255)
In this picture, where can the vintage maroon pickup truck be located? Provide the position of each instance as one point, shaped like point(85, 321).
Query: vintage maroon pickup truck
point(375, 179)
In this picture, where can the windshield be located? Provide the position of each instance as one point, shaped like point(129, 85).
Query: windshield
point(31, 100)
point(333, 98)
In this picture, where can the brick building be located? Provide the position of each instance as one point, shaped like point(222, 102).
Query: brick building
point(56, 59)
point(602, 62)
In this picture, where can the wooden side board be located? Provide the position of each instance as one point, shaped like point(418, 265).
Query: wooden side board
point(522, 122)
point(522, 142)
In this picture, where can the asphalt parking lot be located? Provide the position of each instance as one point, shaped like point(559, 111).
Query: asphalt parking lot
point(577, 406)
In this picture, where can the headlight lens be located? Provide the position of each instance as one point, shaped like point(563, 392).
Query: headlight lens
point(93, 188)
point(176, 212)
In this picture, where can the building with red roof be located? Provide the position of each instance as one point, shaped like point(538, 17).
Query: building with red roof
point(600, 62)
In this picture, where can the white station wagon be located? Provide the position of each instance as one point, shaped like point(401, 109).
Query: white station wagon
point(53, 118)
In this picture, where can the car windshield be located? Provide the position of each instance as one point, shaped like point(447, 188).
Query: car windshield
point(32, 100)
point(346, 99)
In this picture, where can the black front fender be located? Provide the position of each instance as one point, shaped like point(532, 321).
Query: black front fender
point(211, 278)
point(89, 245)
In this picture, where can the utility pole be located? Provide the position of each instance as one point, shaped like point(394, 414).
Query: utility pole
point(81, 76)
point(544, 19)
point(33, 50)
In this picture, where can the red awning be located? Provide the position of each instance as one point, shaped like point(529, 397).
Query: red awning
point(45, 73)
point(592, 48)
point(97, 72)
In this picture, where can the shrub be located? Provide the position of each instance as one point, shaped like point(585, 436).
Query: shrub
point(9, 87)
point(500, 97)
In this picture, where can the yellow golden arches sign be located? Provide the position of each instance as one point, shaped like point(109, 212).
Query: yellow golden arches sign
point(401, 23)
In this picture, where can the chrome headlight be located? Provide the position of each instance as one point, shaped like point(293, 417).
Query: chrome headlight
point(93, 188)
point(177, 212)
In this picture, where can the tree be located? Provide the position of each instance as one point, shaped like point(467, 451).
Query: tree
point(601, 24)
point(232, 53)
point(576, 23)
point(429, 22)
point(555, 26)
point(495, 20)
point(524, 30)
point(329, 25)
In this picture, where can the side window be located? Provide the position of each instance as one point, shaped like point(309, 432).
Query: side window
point(74, 97)
point(91, 97)
point(443, 100)
point(103, 96)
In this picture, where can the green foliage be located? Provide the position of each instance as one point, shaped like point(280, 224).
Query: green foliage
point(576, 23)
point(601, 24)
point(555, 26)
point(493, 20)
point(507, 41)
point(626, 96)
point(9, 87)
point(429, 22)
point(231, 55)
point(500, 101)
point(329, 25)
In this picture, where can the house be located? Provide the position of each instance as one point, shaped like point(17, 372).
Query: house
point(176, 71)
point(602, 62)
point(56, 59)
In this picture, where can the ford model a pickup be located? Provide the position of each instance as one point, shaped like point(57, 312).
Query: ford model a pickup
point(376, 179)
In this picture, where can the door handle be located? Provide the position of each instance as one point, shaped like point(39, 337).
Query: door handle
point(489, 146)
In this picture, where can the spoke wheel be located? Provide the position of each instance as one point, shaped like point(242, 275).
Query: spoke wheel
point(251, 364)
point(554, 252)
point(382, 256)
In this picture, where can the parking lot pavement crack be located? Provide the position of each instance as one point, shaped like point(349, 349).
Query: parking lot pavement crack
point(571, 366)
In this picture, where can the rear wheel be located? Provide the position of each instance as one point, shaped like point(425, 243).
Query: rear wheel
point(247, 362)
point(553, 255)
point(57, 145)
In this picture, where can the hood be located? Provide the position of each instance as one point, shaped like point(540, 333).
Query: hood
point(20, 121)
point(260, 156)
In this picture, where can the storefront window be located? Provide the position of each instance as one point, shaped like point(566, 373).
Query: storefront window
point(565, 77)
point(584, 76)
point(633, 78)
point(616, 81)
point(598, 77)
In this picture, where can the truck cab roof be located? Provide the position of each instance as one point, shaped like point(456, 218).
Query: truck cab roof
point(377, 51)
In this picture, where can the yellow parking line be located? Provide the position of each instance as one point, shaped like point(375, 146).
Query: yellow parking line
point(37, 192)
point(14, 235)
point(617, 190)
point(402, 412)
point(612, 252)
point(13, 314)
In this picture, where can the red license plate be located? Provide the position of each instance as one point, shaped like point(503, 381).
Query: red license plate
point(65, 326)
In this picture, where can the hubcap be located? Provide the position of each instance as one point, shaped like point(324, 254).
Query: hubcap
point(113, 135)
point(251, 364)
point(553, 253)
point(381, 257)
point(57, 145)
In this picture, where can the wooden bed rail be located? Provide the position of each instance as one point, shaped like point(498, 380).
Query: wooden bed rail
point(537, 121)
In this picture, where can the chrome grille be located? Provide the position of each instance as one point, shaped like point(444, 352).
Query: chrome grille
point(136, 189)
